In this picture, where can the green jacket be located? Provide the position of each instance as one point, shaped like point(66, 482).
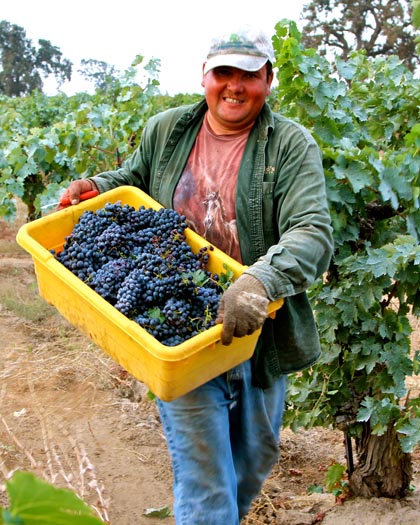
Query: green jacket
point(282, 219)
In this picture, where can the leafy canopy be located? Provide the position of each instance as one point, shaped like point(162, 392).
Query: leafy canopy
point(364, 114)
point(378, 27)
point(23, 65)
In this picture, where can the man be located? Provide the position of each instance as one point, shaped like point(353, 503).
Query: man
point(252, 183)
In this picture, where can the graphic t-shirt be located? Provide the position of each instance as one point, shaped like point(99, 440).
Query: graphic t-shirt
point(207, 188)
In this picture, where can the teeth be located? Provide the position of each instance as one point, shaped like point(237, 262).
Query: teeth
point(233, 100)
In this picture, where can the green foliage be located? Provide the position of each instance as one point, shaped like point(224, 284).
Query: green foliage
point(335, 480)
point(226, 277)
point(415, 17)
point(98, 72)
point(23, 65)
point(364, 114)
point(338, 27)
point(411, 432)
point(35, 502)
point(45, 142)
point(315, 489)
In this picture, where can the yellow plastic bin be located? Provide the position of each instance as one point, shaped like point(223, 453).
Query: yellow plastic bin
point(168, 371)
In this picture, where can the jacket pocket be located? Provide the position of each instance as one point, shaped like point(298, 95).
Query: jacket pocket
point(269, 217)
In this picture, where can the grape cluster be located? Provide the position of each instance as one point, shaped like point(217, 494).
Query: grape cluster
point(140, 262)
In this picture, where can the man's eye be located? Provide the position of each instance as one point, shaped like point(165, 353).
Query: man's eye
point(222, 71)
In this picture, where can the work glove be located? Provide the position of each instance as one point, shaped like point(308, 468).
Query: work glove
point(243, 308)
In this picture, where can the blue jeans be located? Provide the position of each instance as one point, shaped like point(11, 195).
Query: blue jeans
point(223, 438)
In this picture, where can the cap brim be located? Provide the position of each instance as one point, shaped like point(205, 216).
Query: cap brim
point(245, 62)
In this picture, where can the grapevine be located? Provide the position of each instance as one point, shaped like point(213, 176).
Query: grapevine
point(140, 262)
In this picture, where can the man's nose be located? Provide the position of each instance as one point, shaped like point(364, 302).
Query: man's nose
point(235, 83)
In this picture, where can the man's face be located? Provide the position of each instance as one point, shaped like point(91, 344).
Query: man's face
point(235, 97)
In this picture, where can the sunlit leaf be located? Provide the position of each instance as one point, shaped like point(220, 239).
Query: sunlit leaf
point(36, 502)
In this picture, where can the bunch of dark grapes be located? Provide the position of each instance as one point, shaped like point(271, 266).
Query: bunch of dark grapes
point(140, 262)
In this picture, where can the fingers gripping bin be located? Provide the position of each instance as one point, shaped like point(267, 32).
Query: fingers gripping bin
point(169, 372)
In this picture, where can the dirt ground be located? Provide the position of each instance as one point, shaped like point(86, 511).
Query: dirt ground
point(72, 416)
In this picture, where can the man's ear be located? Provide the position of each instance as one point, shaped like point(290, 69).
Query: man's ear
point(204, 76)
point(270, 80)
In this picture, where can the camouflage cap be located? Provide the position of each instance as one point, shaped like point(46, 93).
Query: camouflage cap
point(247, 48)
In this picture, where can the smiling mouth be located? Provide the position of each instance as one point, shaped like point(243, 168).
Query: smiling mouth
point(232, 100)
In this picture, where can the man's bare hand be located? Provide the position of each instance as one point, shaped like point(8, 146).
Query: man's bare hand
point(75, 189)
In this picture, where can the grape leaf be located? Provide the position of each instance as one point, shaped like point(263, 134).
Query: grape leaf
point(411, 431)
point(35, 502)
